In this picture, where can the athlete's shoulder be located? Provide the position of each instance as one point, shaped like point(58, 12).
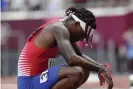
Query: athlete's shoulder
point(48, 26)
point(60, 30)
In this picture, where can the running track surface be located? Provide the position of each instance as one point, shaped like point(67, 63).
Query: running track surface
point(120, 82)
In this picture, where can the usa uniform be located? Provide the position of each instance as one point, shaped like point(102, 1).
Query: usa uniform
point(33, 71)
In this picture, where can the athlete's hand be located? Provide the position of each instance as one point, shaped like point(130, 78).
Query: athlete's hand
point(104, 76)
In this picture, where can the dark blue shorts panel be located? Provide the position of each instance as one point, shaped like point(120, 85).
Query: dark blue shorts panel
point(42, 81)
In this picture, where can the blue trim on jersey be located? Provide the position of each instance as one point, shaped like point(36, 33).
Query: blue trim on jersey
point(33, 82)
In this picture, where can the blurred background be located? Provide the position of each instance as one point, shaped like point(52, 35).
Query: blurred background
point(112, 43)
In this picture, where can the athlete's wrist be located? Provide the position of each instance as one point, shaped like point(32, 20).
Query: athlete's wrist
point(97, 68)
point(101, 68)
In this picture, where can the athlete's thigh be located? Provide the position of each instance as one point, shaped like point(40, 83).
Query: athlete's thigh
point(48, 78)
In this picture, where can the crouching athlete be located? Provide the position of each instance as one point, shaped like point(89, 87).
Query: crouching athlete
point(59, 36)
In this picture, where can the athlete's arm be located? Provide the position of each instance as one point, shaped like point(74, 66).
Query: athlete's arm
point(62, 37)
point(103, 74)
point(78, 52)
point(66, 48)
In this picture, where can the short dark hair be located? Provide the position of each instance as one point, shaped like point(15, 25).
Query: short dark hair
point(83, 14)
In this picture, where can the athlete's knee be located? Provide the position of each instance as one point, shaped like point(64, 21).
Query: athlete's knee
point(78, 74)
point(72, 74)
point(85, 76)
point(80, 71)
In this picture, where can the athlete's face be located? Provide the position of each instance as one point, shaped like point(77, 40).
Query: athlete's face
point(80, 34)
point(77, 31)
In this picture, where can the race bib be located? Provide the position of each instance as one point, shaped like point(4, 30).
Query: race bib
point(44, 76)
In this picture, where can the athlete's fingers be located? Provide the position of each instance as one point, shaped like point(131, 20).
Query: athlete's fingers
point(110, 84)
point(102, 81)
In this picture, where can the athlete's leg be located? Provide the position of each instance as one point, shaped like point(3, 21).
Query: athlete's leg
point(85, 77)
point(71, 77)
point(58, 77)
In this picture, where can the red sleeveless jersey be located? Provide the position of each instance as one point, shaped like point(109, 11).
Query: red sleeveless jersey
point(34, 60)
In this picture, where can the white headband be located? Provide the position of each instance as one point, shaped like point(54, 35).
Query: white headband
point(83, 25)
